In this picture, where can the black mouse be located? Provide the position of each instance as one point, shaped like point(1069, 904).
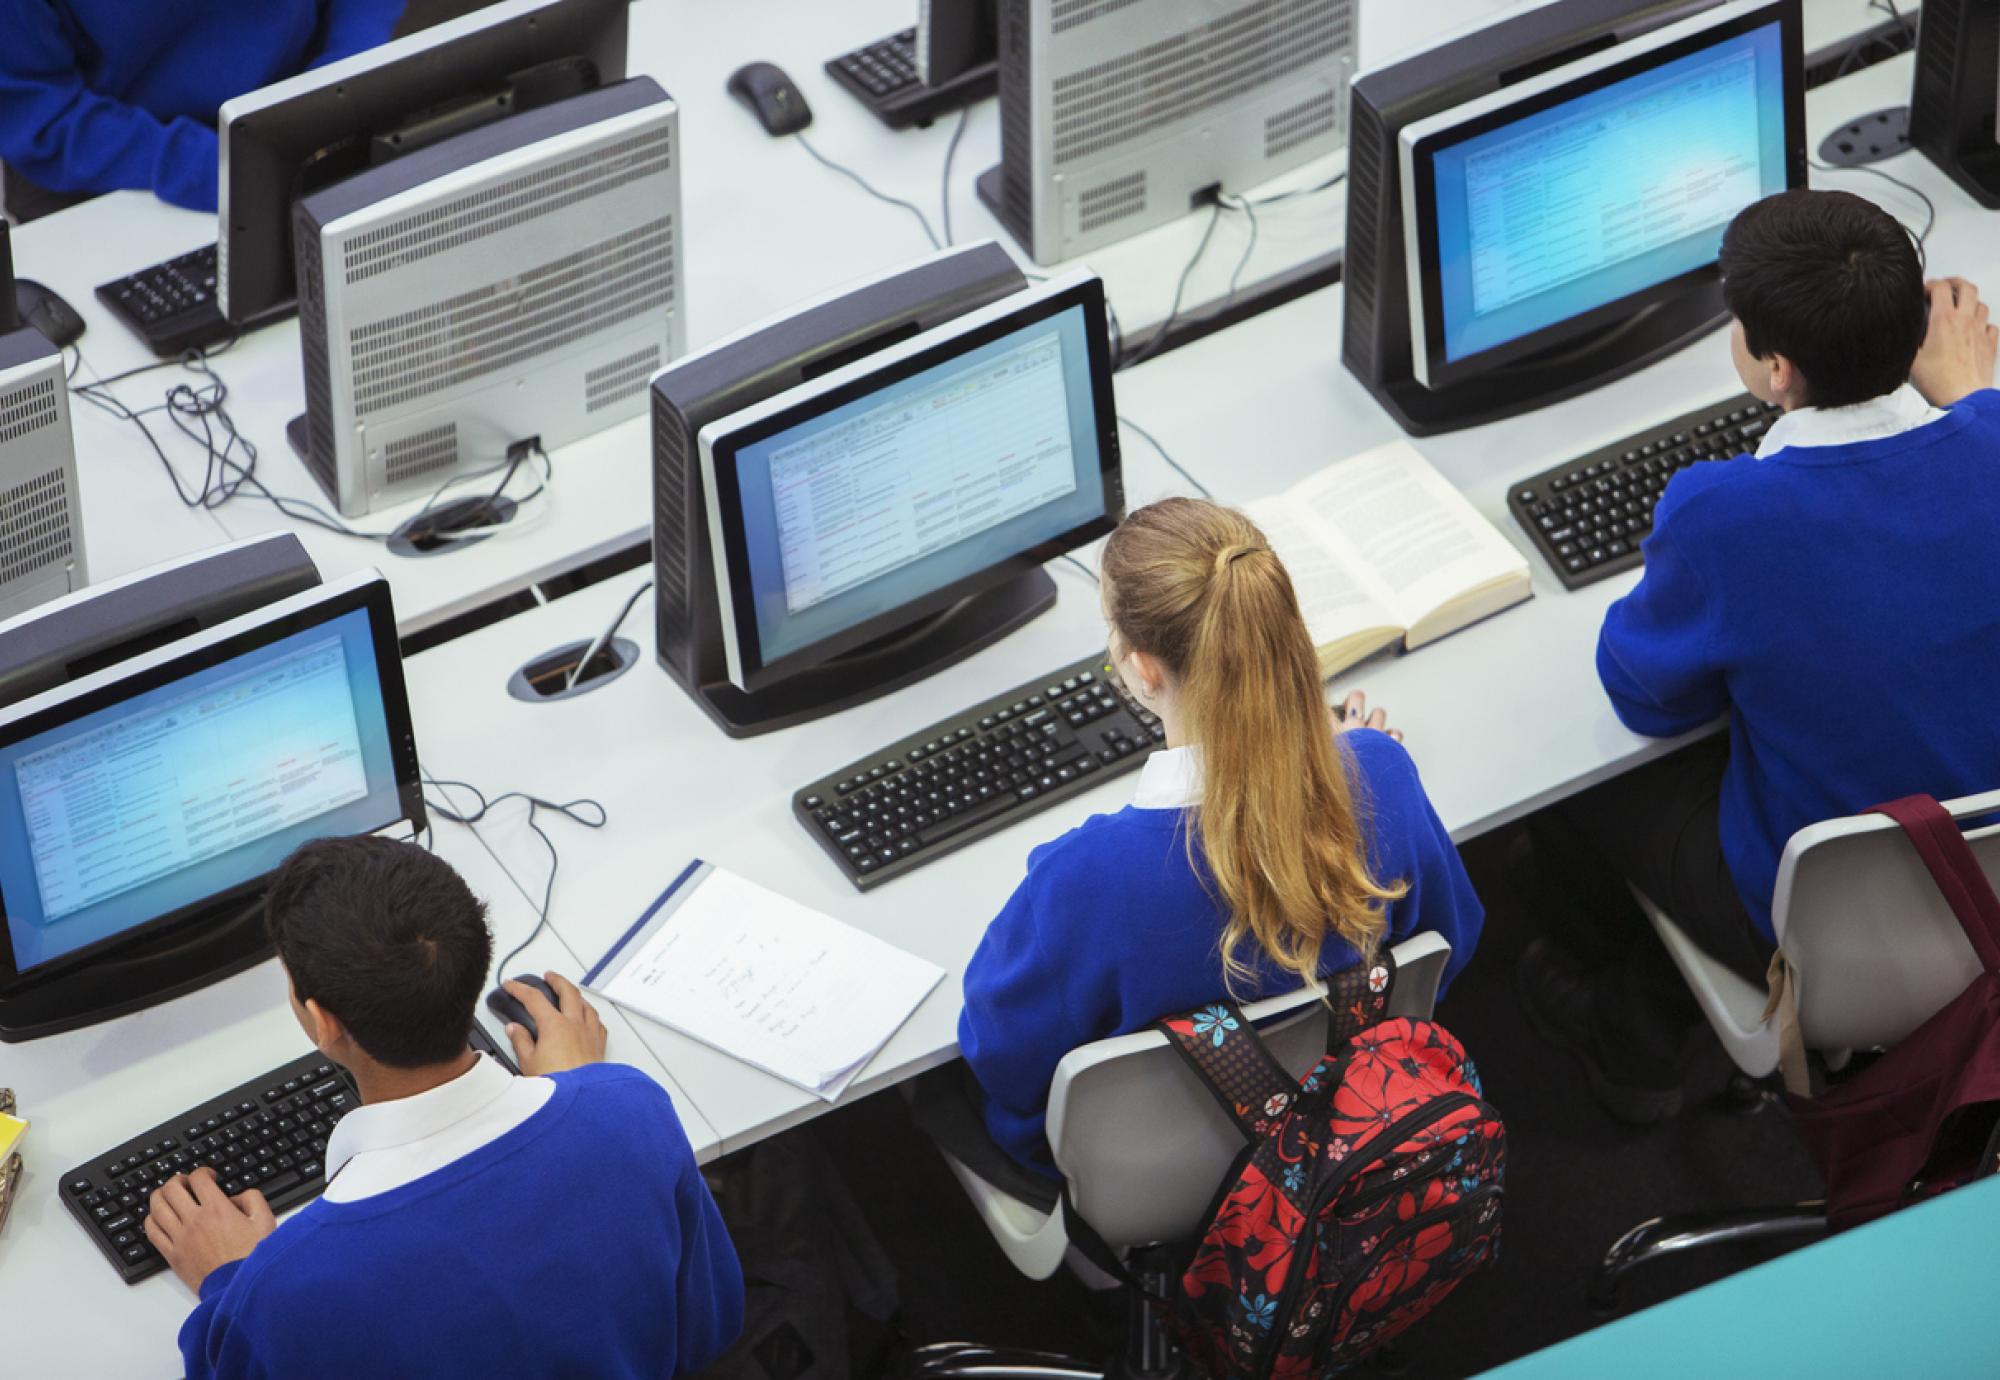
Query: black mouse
point(508, 1007)
point(47, 313)
point(772, 97)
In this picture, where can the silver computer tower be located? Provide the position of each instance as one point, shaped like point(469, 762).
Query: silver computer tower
point(519, 281)
point(1119, 115)
point(41, 525)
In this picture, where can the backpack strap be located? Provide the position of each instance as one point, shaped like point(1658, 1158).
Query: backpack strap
point(1936, 837)
point(1233, 1063)
point(1358, 997)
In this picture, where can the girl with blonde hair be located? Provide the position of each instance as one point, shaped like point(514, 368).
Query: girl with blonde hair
point(1263, 847)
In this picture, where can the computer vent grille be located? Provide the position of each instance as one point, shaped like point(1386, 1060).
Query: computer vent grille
point(620, 379)
point(1017, 100)
point(1361, 267)
point(513, 319)
point(1136, 93)
point(671, 536)
point(1113, 201)
point(35, 525)
point(1065, 15)
point(1931, 95)
point(420, 454)
point(1306, 121)
point(319, 454)
point(474, 217)
point(28, 408)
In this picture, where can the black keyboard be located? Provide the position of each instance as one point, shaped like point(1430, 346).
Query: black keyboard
point(1587, 516)
point(172, 305)
point(883, 77)
point(977, 772)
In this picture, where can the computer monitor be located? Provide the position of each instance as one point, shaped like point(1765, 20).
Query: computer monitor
point(144, 807)
point(1955, 98)
point(296, 136)
point(1118, 117)
point(1537, 209)
point(825, 397)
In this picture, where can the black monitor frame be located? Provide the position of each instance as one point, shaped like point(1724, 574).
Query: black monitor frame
point(1420, 168)
point(307, 132)
point(738, 600)
point(1955, 96)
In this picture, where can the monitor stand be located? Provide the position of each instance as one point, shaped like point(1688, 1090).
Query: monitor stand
point(889, 663)
point(205, 948)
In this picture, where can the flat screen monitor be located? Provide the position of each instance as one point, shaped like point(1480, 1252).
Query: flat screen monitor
point(859, 503)
point(1548, 210)
point(296, 136)
point(172, 785)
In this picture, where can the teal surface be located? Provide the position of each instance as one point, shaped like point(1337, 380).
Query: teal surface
point(1914, 1294)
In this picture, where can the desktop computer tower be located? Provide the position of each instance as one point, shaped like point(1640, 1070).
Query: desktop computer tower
point(519, 281)
point(1120, 115)
point(41, 523)
point(1955, 100)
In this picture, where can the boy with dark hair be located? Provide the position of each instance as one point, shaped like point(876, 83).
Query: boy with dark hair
point(1835, 595)
point(474, 1223)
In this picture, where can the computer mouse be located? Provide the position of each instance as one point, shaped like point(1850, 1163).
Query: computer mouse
point(509, 1007)
point(48, 313)
point(772, 97)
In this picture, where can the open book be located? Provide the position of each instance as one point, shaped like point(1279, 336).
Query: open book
point(1382, 549)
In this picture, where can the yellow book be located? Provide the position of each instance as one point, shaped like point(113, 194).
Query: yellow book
point(12, 1128)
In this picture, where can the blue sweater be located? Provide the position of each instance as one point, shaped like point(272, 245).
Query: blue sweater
point(101, 95)
point(1842, 605)
point(1112, 929)
point(582, 1242)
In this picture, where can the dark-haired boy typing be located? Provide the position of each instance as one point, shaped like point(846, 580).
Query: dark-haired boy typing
point(1836, 595)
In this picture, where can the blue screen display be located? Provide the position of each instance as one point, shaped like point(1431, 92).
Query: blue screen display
point(866, 507)
point(1606, 194)
point(137, 810)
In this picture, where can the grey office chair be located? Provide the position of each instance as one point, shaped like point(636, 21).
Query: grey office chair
point(1142, 1147)
point(1877, 952)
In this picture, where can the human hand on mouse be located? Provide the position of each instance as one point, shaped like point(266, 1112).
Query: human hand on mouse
point(1354, 714)
point(569, 1034)
point(1959, 347)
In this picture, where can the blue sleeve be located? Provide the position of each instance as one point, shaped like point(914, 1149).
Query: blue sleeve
point(708, 1289)
point(1656, 652)
point(213, 1346)
point(1411, 845)
point(354, 26)
point(61, 134)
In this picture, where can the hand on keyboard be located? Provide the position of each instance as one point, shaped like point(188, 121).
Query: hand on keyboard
point(567, 1036)
point(196, 1227)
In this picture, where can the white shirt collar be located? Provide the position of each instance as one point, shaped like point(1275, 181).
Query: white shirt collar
point(1170, 780)
point(1892, 414)
point(374, 1127)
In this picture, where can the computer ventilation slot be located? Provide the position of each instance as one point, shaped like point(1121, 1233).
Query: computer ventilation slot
point(1115, 200)
point(319, 455)
point(34, 525)
point(506, 204)
point(27, 409)
point(1017, 140)
point(670, 537)
point(1134, 94)
point(620, 379)
point(1360, 266)
point(421, 454)
point(1304, 122)
point(514, 319)
point(1067, 14)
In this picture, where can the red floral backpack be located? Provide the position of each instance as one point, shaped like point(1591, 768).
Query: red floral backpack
point(1366, 1192)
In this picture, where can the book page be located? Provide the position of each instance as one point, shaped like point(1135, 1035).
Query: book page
point(1337, 602)
point(1415, 534)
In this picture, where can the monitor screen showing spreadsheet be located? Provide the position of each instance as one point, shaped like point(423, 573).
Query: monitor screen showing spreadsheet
point(1535, 211)
point(156, 800)
point(962, 452)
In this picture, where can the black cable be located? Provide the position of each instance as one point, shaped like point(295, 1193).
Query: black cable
point(1081, 566)
point(1172, 463)
point(950, 153)
point(1250, 248)
point(1158, 339)
point(1930, 207)
point(596, 648)
point(858, 180)
point(1277, 197)
point(571, 810)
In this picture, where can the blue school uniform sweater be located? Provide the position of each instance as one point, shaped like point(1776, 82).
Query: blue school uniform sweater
point(1841, 604)
point(101, 95)
point(1112, 929)
point(582, 1242)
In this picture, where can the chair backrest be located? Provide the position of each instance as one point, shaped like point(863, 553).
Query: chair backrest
point(1143, 1144)
point(1875, 946)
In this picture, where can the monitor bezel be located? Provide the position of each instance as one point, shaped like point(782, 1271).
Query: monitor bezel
point(722, 440)
point(1422, 139)
point(365, 590)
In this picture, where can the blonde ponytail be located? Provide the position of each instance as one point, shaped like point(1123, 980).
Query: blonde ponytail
point(1197, 586)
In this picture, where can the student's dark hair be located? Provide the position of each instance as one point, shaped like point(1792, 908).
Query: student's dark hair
point(387, 937)
point(1832, 282)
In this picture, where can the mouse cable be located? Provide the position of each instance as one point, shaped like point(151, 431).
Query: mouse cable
point(1930, 207)
point(1088, 572)
point(577, 811)
point(858, 180)
point(1172, 463)
point(951, 153)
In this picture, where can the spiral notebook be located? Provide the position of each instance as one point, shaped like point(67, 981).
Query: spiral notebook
point(756, 975)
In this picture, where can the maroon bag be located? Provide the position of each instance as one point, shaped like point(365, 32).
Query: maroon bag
point(1925, 1116)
